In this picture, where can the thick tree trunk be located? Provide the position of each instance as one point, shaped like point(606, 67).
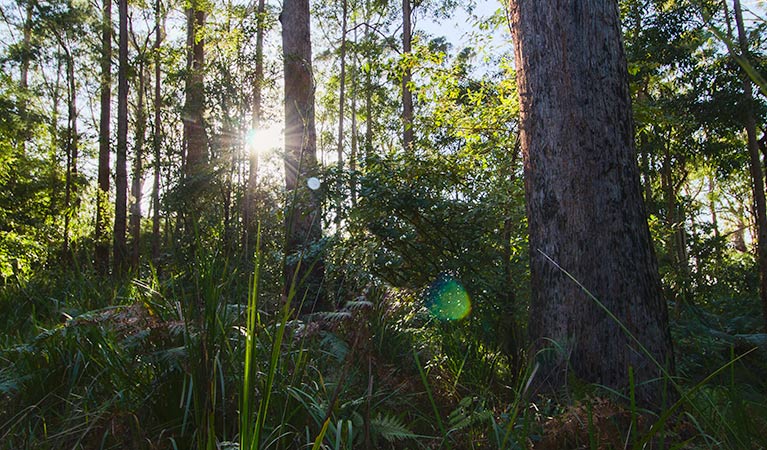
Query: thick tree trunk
point(303, 216)
point(249, 205)
point(101, 253)
point(121, 172)
point(407, 95)
point(194, 122)
point(757, 176)
point(584, 200)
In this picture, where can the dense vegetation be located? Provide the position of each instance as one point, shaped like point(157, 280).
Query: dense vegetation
point(165, 284)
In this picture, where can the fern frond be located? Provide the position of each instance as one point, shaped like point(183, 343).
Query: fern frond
point(390, 428)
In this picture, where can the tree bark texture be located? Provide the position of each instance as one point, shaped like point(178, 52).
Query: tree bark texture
point(121, 172)
point(757, 175)
point(194, 107)
point(584, 199)
point(302, 218)
point(101, 252)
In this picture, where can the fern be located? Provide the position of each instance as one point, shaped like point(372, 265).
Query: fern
point(467, 414)
point(390, 428)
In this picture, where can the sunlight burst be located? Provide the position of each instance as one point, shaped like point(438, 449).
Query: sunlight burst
point(262, 140)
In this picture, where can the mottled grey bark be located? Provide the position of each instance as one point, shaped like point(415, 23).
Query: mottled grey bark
point(584, 199)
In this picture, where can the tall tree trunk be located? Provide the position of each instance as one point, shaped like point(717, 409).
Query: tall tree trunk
point(341, 112)
point(26, 56)
point(70, 202)
point(121, 171)
point(53, 209)
point(757, 176)
point(101, 252)
point(712, 204)
point(576, 119)
point(194, 122)
point(157, 136)
point(407, 95)
point(368, 82)
point(676, 242)
point(353, 155)
point(27, 48)
point(135, 207)
point(303, 216)
point(249, 205)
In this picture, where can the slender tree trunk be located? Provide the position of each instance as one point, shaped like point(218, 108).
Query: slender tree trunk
point(644, 152)
point(757, 176)
point(53, 209)
point(249, 205)
point(157, 137)
point(368, 104)
point(511, 343)
point(135, 207)
point(341, 112)
point(576, 119)
point(407, 95)
point(26, 56)
point(27, 48)
point(303, 215)
point(712, 205)
point(368, 83)
point(70, 204)
point(101, 253)
point(121, 172)
point(354, 138)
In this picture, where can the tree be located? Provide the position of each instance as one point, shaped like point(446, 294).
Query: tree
point(248, 210)
point(156, 137)
point(303, 266)
point(584, 203)
point(121, 172)
point(194, 118)
point(755, 165)
point(101, 253)
point(341, 105)
point(407, 94)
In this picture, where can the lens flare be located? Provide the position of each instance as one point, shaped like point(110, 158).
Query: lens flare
point(447, 299)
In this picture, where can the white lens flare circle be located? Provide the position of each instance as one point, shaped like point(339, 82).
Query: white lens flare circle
point(313, 183)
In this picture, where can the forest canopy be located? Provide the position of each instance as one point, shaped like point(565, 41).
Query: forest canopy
point(372, 224)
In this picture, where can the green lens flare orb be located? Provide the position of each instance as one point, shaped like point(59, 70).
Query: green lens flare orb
point(447, 300)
